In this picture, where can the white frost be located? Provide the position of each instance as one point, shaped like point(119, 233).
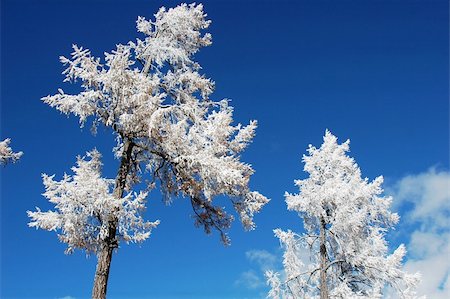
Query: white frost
point(84, 204)
point(6, 153)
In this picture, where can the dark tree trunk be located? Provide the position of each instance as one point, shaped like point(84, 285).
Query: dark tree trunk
point(323, 261)
point(102, 272)
point(104, 257)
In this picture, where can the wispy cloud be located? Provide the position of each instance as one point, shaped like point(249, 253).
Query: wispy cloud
point(250, 279)
point(425, 200)
point(429, 193)
point(66, 297)
point(254, 278)
point(264, 259)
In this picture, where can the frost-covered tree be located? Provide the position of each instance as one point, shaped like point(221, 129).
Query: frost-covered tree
point(345, 218)
point(6, 153)
point(151, 94)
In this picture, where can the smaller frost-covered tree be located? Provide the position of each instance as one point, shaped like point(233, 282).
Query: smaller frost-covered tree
point(6, 153)
point(85, 204)
point(345, 218)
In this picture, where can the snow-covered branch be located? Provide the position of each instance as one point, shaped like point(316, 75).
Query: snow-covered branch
point(84, 204)
point(6, 153)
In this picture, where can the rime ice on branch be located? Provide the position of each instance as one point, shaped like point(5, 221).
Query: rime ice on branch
point(345, 218)
point(6, 153)
point(85, 204)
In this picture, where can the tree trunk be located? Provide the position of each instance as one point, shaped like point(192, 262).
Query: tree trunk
point(102, 272)
point(323, 261)
point(104, 257)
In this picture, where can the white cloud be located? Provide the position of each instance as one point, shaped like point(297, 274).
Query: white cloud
point(426, 198)
point(254, 278)
point(67, 297)
point(263, 258)
point(429, 193)
point(250, 279)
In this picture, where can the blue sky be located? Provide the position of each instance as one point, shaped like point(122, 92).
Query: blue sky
point(372, 71)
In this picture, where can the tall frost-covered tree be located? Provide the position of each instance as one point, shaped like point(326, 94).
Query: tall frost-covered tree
point(345, 218)
point(151, 93)
point(7, 155)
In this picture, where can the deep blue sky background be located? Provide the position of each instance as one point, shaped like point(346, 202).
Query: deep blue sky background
point(372, 71)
